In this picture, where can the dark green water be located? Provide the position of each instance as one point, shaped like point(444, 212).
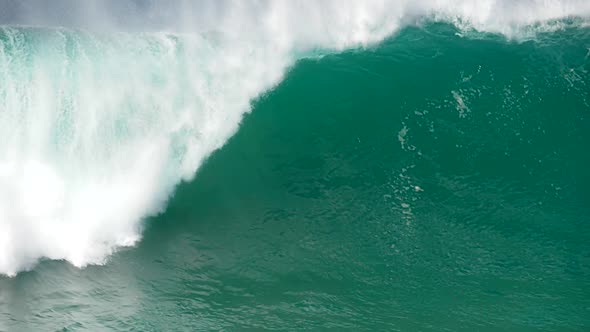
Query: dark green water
point(432, 183)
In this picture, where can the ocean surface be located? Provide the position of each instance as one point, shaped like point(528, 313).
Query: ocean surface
point(432, 178)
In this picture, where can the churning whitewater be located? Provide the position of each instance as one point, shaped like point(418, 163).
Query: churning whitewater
point(98, 124)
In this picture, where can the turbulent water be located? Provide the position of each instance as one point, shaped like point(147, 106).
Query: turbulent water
point(339, 165)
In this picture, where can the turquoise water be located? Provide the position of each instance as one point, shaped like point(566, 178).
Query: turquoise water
point(436, 181)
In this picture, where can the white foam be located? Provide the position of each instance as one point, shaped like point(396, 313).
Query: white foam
point(96, 129)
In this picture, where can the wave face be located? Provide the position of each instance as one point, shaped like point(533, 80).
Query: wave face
point(431, 166)
point(100, 121)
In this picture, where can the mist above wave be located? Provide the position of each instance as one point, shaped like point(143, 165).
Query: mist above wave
point(295, 20)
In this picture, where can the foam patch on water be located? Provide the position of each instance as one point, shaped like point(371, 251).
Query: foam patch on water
point(97, 128)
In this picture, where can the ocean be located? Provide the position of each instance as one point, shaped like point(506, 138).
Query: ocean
point(429, 174)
